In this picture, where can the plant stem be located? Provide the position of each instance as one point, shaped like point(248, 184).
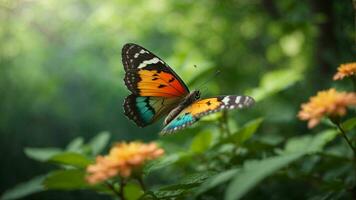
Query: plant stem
point(226, 122)
point(122, 185)
point(142, 184)
point(353, 79)
point(112, 188)
point(346, 138)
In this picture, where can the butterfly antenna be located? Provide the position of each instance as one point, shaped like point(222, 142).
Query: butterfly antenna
point(204, 90)
point(217, 72)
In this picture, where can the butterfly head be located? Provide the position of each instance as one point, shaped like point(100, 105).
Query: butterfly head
point(196, 94)
point(190, 98)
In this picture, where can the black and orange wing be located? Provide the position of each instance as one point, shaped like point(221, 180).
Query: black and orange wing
point(155, 87)
point(147, 75)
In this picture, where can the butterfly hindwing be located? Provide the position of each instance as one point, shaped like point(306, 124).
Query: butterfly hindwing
point(200, 108)
point(147, 75)
point(145, 110)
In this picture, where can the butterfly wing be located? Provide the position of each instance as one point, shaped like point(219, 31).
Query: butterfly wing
point(147, 75)
point(200, 108)
point(155, 87)
point(145, 110)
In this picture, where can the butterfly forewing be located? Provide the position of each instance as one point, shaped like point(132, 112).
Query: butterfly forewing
point(147, 75)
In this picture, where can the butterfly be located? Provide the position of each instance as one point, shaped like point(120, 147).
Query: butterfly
point(158, 91)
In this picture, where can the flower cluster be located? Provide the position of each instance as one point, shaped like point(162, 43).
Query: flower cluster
point(345, 70)
point(122, 159)
point(326, 103)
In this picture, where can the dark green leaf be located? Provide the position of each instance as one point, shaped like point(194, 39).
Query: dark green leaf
point(309, 144)
point(41, 154)
point(255, 171)
point(169, 194)
point(190, 181)
point(99, 142)
point(216, 180)
point(247, 130)
point(66, 180)
point(71, 159)
point(349, 124)
point(23, 189)
point(133, 191)
point(75, 145)
point(274, 82)
point(244, 133)
point(163, 162)
point(201, 142)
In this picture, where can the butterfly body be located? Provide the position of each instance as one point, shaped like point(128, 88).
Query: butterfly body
point(189, 99)
point(158, 91)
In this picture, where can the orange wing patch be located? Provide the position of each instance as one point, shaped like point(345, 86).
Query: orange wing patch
point(203, 106)
point(159, 83)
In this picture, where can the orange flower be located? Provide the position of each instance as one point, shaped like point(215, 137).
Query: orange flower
point(328, 103)
point(345, 70)
point(123, 158)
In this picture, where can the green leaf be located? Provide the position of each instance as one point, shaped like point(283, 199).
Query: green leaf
point(41, 154)
point(349, 124)
point(201, 142)
point(163, 162)
point(274, 82)
point(254, 171)
point(75, 145)
point(23, 189)
point(132, 191)
point(244, 133)
point(192, 180)
point(171, 194)
point(99, 142)
point(309, 144)
point(72, 159)
point(216, 180)
point(247, 130)
point(66, 180)
point(184, 186)
point(212, 117)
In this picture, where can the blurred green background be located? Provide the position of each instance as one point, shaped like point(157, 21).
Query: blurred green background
point(61, 72)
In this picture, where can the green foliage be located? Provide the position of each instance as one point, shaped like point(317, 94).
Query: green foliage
point(245, 133)
point(133, 191)
point(309, 144)
point(70, 179)
point(201, 142)
point(349, 124)
point(188, 182)
point(216, 180)
point(75, 145)
point(71, 159)
point(99, 142)
point(60, 84)
point(23, 189)
point(42, 154)
point(254, 171)
point(275, 81)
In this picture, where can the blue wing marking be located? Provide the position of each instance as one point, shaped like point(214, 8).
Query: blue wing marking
point(180, 122)
point(144, 109)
